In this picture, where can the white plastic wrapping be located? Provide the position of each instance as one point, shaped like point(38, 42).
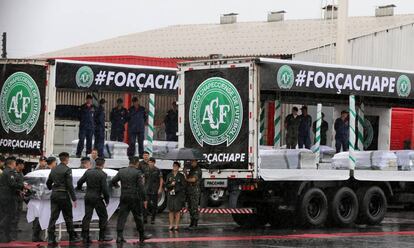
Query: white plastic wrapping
point(326, 153)
point(367, 160)
point(405, 159)
point(287, 159)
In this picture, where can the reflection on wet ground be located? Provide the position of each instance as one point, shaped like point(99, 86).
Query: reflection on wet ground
point(397, 230)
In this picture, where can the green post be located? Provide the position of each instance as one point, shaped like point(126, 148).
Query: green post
point(361, 124)
point(151, 129)
point(352, 135)
point(277, 123)
point(262, 121)
point(317, 147)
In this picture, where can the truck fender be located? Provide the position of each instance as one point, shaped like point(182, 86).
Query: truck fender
point(302, 187)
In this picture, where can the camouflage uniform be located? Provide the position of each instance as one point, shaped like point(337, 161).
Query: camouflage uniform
point(193, 194)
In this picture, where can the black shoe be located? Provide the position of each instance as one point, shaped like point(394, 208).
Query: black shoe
point(74, 238)
point(87, 240)
point(143, 237)
point(152, 222)
point(120, 240)
point(105, 238)
point(191, 224)
point(145, 221)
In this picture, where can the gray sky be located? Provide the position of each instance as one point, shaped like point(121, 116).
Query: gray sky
point(39, 26)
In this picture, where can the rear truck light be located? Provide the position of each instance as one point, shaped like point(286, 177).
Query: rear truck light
point(248, 187)
point(232, 66)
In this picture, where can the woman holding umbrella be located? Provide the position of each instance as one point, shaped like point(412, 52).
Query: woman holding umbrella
point(175, 185)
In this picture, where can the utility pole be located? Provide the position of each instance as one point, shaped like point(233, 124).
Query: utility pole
point(341, 38)
point(4, 46)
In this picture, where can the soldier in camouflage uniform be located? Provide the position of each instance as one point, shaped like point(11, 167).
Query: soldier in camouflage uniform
point(193, 178)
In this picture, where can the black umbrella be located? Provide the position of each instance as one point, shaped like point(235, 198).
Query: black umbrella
point(181, 154)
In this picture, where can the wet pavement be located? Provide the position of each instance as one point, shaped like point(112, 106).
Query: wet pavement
point(397, 230)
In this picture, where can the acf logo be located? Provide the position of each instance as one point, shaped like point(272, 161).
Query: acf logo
point(84, 77)
point(403, 86)
point(285, 77)
point(20, 103)
point(216, 112)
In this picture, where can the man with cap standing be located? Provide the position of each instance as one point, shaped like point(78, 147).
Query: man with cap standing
point(137, 117)
point(86, 126)
point(8, 198)
point(153, 188)
point(100, 128)
point(193, 179)
point(304, 129)
point(292, 128)
point(62, 199)
point(341, 127)
point(118, 119)
point(19, 196)
point(171, 123)
point(97, 197)
point(131, 200)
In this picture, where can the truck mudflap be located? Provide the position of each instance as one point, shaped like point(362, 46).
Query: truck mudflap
point(223, 210)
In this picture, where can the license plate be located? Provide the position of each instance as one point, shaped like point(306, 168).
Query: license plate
point(215, 183)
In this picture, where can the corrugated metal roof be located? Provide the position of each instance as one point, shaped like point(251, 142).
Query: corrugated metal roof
point(238, 39)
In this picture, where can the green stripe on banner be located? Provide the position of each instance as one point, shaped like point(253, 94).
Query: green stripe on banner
point(352, 112)
point(352, 159)
point(351, 145)
point(277, 138)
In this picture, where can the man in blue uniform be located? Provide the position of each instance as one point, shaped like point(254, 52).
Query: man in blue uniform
point(342, 132)
point(137, 117)
point(100, 128)
point(171, 123)
point(118, 119)
point(86, 126)
point(305, 124)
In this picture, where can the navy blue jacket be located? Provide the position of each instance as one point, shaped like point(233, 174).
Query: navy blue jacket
point(305, 125)
point(86, 117)
point(100, 119)
point(118, 118)
point(171, 122)
point(341, 129)
point(137, 119)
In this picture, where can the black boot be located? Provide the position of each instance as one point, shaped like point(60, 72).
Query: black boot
point(74, 238)
point(85, 237)
point(143, 236)
point(51, 240)
point(103, 237)
point(120, 238)
point(195, 223)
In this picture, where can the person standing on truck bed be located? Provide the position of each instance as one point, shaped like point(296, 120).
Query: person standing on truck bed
point(62, 199)
point(304, 129)
point(324, 130)
point(118, 119)
point(342, 132)
point(153, 188)
point(171, 123)
point(137, 117)
point(292, 127)
point(96, 193)
point(20, 179)
point(100, 128)
point(193, 179)
point(36, 228)
point(86, 126)
point(132, 199)
point(8, 198)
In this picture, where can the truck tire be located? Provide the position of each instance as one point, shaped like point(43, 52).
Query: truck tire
point(312, 208)
point(248, 200)
point(343, 207)
point(372, 205)
point(215, 197)
point(162, 202)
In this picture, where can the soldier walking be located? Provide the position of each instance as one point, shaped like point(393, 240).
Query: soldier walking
point(97, 197)
point(8, 198)
point(62, 199)
point(193, 179)
point(132, 199)
point(19, 196)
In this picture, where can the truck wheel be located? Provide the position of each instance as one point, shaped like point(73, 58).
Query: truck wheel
point(215, 197)
point(313, 208)
point(343, 207)
point(372, 205)
point(246, 200)
point(162, 202)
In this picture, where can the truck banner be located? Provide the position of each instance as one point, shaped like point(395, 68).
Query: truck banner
point(110, 77)
point(216, 116)
point(22, 101)
point(330, 79)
